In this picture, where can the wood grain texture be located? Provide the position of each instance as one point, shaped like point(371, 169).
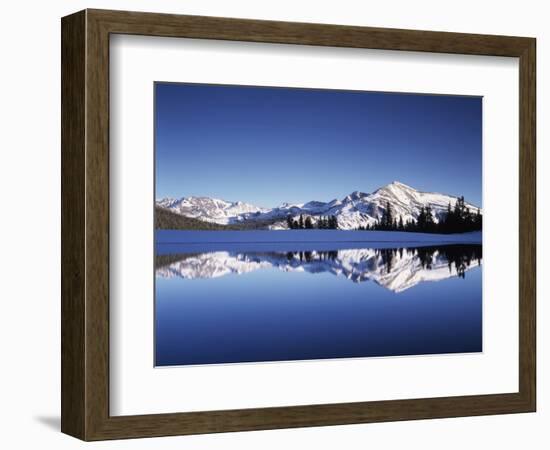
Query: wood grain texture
point(151, 24)
point(73, 109)
point(527, 223)
point(97, 225)
point(85, 224)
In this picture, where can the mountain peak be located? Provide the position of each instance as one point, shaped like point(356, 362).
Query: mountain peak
point(400, 185)
point(396, 188)
point(355, 195)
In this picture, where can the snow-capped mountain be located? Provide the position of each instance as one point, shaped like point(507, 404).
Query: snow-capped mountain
point(210, 209)
point(394, 269)
point(355, 210)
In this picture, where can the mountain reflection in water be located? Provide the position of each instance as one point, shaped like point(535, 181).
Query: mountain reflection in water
point(396, 269)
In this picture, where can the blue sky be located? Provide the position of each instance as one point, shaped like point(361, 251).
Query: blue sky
point(267, 146)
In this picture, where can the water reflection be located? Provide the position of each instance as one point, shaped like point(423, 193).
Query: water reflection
point(396, 269)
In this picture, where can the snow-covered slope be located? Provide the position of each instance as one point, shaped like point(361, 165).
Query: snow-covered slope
point(394, 269)
point(210, 209)
point(355, 210)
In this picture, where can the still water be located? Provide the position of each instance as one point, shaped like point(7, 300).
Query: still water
point(253, 305)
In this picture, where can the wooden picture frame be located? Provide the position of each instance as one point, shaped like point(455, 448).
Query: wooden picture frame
point(85, 224)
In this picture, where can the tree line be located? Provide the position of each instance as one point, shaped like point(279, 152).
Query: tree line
point(457, 219)
point(306, 223)
point(459, 256)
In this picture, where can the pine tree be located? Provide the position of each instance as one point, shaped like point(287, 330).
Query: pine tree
point(460, 210)
point(387, 217)
point(421, 220)
point(446, 224)
point(460, 219)
point(478, 221)
point(308, 223)
point(289, 222)
point(429, 226)
point(301, 222)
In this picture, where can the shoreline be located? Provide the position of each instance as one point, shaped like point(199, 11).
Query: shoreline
point(186, 241)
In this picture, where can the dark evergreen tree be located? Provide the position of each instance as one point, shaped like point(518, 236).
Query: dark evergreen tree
point(290, 222)
point(460, 219)
point(421, 220)
point(478, 221)
point(457, 219)
point(387, 217)
point(429, 220)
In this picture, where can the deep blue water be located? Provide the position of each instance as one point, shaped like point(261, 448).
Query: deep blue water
point(230, 307)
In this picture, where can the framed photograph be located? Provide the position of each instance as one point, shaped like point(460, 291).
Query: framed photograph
point(272, 225)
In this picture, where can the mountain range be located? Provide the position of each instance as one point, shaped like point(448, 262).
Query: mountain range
point(357, 209)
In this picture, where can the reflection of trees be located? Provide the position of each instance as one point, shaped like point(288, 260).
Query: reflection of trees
point(357, 265)
point(426, 256)
point(387, 256)
point(311, 256)
point(462, 256)
point(458, 256)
